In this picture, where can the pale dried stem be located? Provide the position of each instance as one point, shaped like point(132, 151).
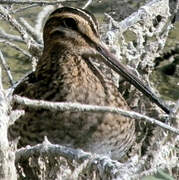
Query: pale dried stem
point(40, 3)
point(94, 166)
point(6, 68)
point(100, 165)
point(76, 107)
point(40, 19)
point(4, 13)
point(30, 30)
point(7, 167)
point(10, 37)
point(87, 4)
point(10, 44)
point(23, 8)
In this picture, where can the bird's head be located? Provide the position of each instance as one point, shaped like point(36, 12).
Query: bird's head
point(72, 28)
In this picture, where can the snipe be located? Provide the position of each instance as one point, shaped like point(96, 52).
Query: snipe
point(64, 74)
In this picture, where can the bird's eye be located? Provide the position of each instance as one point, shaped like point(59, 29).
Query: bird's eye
point(69, 23)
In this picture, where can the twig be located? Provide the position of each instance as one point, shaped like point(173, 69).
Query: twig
point(6, 68)
point(40, 18)
point(76, 107)
point(16, 47)
point(40, 3)
point(4, 13)
point(23, 8)
point(10, 37)
point(35, 32)
point(87, 4)
point(31, 31)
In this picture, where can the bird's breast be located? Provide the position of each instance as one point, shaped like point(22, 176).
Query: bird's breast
point(64, 80)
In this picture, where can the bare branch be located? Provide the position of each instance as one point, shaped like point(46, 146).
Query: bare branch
point(94, 166)
point(7, 17)
point(87, 4)
point(35, 32)
point(23, 8)
point(10, 37)
point(7, 167)
point(40, 3)
point(16, 47)
point(40, 18)
point(76, 107)
point(30, 30)
point(4, 13)
point(91, 162)
point(48, 148)
point(6, 68)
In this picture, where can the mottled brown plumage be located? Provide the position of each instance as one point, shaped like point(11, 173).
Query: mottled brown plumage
point(64, 74)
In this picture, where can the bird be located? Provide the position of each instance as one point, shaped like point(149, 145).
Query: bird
point(64, 73)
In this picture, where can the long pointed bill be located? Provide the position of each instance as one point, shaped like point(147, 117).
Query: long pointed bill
point(113, 63)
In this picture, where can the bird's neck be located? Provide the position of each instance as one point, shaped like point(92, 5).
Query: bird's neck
point(55, 59)
point(68, 73)
point(63, 64)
